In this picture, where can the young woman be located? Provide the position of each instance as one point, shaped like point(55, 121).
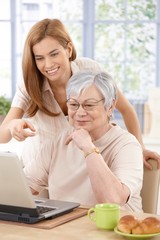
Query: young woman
point(49, 60)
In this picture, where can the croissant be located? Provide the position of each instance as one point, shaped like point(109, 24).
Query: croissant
point(147, 226)
point(127, 223)
point(132, 225)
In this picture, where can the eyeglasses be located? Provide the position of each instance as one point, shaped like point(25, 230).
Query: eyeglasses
point(87, 105)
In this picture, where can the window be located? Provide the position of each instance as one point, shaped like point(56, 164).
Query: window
point(122, 35)
point(126, 43)
point(5, 50)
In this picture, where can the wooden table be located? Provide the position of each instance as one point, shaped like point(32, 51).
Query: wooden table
point(79, 229)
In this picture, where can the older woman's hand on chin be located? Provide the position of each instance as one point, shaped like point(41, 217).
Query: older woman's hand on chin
point(147, 154)
point(82, 139)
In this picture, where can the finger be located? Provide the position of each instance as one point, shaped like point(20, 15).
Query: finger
point(27, 133)
point(24, 125)
point(30, 126)
point(18, 138)
point(68, 140)
point(23, 135)
point(148, 165)
point(156, 157)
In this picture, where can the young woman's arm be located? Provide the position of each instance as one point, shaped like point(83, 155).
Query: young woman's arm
point(129, 116)
point(132, 124)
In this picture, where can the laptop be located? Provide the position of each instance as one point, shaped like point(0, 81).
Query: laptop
point(16, 200)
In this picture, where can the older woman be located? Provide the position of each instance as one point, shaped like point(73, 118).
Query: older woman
point(94, 161)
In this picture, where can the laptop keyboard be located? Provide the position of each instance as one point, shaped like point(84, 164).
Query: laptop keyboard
point(42, 209)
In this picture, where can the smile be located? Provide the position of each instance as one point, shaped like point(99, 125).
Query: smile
point(53, 71)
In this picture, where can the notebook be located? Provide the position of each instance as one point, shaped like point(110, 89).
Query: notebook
point(16, 200)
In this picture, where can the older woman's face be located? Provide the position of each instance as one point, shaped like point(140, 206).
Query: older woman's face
point(90, 115)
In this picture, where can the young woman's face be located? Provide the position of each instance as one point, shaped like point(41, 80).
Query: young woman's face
point(95, 120)
point(52, 60)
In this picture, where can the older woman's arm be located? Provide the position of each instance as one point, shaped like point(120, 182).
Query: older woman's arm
point(105, 184)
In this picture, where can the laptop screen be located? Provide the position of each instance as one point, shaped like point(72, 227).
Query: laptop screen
point(16, 200)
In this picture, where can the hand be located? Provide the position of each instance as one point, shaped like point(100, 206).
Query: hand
point(17, 126)
point(82, 139)
point(147, 154)
point(34, 192)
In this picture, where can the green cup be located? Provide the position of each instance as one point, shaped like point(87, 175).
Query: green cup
point(105, 215)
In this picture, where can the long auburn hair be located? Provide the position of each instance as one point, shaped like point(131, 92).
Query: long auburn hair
point(33, 79)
